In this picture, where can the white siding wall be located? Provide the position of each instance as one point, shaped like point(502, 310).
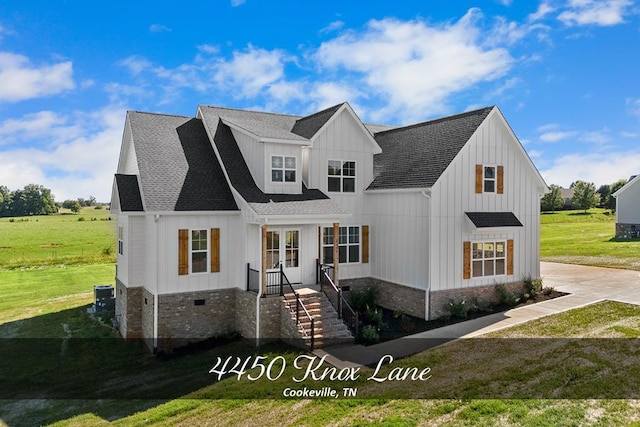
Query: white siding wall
point(628, 205)
point(344, 139)
point(291, 150)
point(128, 163)
point(232, 262)
point(136, 244)
point(253, 153)
point(454, 194)
point(123, 260)
point(399, 237)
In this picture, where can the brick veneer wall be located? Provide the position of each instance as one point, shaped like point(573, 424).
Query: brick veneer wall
point(288, 329)
point(270, 324)
point(147, 318)
point(391, 295)
point(129, 310)
point(245, 316)
point(439, 300)
point(627, 231)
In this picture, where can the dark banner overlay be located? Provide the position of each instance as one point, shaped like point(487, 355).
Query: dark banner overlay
point(478, 368)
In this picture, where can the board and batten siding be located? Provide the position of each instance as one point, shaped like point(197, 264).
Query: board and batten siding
point(399, 237)
point(285, 150)
point(455, 193)
point(253, 153)
point(232, 269)
point(628, 205)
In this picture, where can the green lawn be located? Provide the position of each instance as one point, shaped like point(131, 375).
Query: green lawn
point(574, 237)
point(60, 239)
point(549, 367)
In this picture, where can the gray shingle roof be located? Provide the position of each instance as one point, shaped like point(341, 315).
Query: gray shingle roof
point(241, 178)
point(416, 156)
point(129, 193)
point(308, 126)
point(494, 219)
point(177, 165)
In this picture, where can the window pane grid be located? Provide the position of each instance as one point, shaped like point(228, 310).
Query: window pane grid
point(283, 169)
point(488, 259)
point(348, 245)
point(199, 251)
point(341, 176)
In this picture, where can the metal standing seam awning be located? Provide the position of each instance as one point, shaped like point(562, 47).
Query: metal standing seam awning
point(493, 219)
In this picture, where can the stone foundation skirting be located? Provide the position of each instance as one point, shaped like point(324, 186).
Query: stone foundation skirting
point(391, 295)
point(627, 231)
point(439, 300)
point(128, 310)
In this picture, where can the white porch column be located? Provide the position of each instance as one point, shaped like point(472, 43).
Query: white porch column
point(336, 252)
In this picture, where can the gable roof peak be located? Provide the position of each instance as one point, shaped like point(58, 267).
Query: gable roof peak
point(308, 126)
point(479, 111)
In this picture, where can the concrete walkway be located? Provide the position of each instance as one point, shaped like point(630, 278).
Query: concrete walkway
point(586, 285)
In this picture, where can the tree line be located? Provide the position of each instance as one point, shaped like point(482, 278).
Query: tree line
point(585, 196)
point(35, 199)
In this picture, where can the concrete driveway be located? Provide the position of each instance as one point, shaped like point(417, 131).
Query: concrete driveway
point(586, 285)
point(592, 283)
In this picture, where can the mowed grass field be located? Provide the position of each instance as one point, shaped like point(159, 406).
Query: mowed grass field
point(51, 263)
point(48, 266)
point(573, 237)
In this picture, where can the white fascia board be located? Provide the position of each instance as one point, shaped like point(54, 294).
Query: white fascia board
point(626, 186)
point(297, 219)
point(285, 141)
point(346, 106)
point(519, 145)
point(194, 213)
point(426, 190)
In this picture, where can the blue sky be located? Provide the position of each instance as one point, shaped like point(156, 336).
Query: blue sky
point(564, 73)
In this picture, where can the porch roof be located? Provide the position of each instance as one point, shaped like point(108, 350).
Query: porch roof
point(314, 208)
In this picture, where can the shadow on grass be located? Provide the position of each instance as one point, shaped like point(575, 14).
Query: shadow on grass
point(622, 240)
point(71, 357)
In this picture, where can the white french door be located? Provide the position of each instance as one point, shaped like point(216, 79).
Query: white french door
point(283, 248)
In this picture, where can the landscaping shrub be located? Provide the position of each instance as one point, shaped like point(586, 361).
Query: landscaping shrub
point(477, 305)
point(82, 218)
point(548, 290)
point(370, 335)
point(533, 286)
point(458, 308)
point(375, 317)
point(361, 300)
point(506, 297)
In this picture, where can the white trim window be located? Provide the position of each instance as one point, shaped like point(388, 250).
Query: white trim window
point(348, 245)
point(283, 169)
point(199, 251)
point(488, 258)
point(490, 177)
point(341, 176)
point(121, 240)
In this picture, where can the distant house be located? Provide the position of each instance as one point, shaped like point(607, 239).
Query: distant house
point(628, 209)
point(567, 195)
point(218, 213)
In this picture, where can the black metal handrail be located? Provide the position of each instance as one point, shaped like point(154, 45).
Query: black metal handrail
point(299, 304)
point(253, 279)
point(348, 315)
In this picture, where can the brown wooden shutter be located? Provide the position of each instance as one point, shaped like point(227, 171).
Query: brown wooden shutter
point(466, 260)
point(215, 250)
point(479, 179)
point(365, 244)
point(183, 252)
point(500, 179)
point(509, 256)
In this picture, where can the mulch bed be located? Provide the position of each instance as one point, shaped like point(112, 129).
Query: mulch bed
point(400, 326)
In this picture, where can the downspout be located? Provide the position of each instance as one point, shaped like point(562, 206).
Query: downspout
point(259, 296)
point(427, 295)
point(156, 218)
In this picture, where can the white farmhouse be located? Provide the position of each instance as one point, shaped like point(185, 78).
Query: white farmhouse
point(219, 213)
point(628, 209)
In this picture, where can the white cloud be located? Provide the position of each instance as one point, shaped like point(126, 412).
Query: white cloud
point(19, 80)
point(334, 26)
point(633, 106)
point(250, 71)
point(599, 168)
point(159, 28)
point(75, 158)
point(555, 136)
point(413, 65)
point(543, 10)
point(236, 3)
point(595, 12)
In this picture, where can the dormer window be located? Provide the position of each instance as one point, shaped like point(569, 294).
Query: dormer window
point(489, 179)
point(341, 176)
point(283, 169)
